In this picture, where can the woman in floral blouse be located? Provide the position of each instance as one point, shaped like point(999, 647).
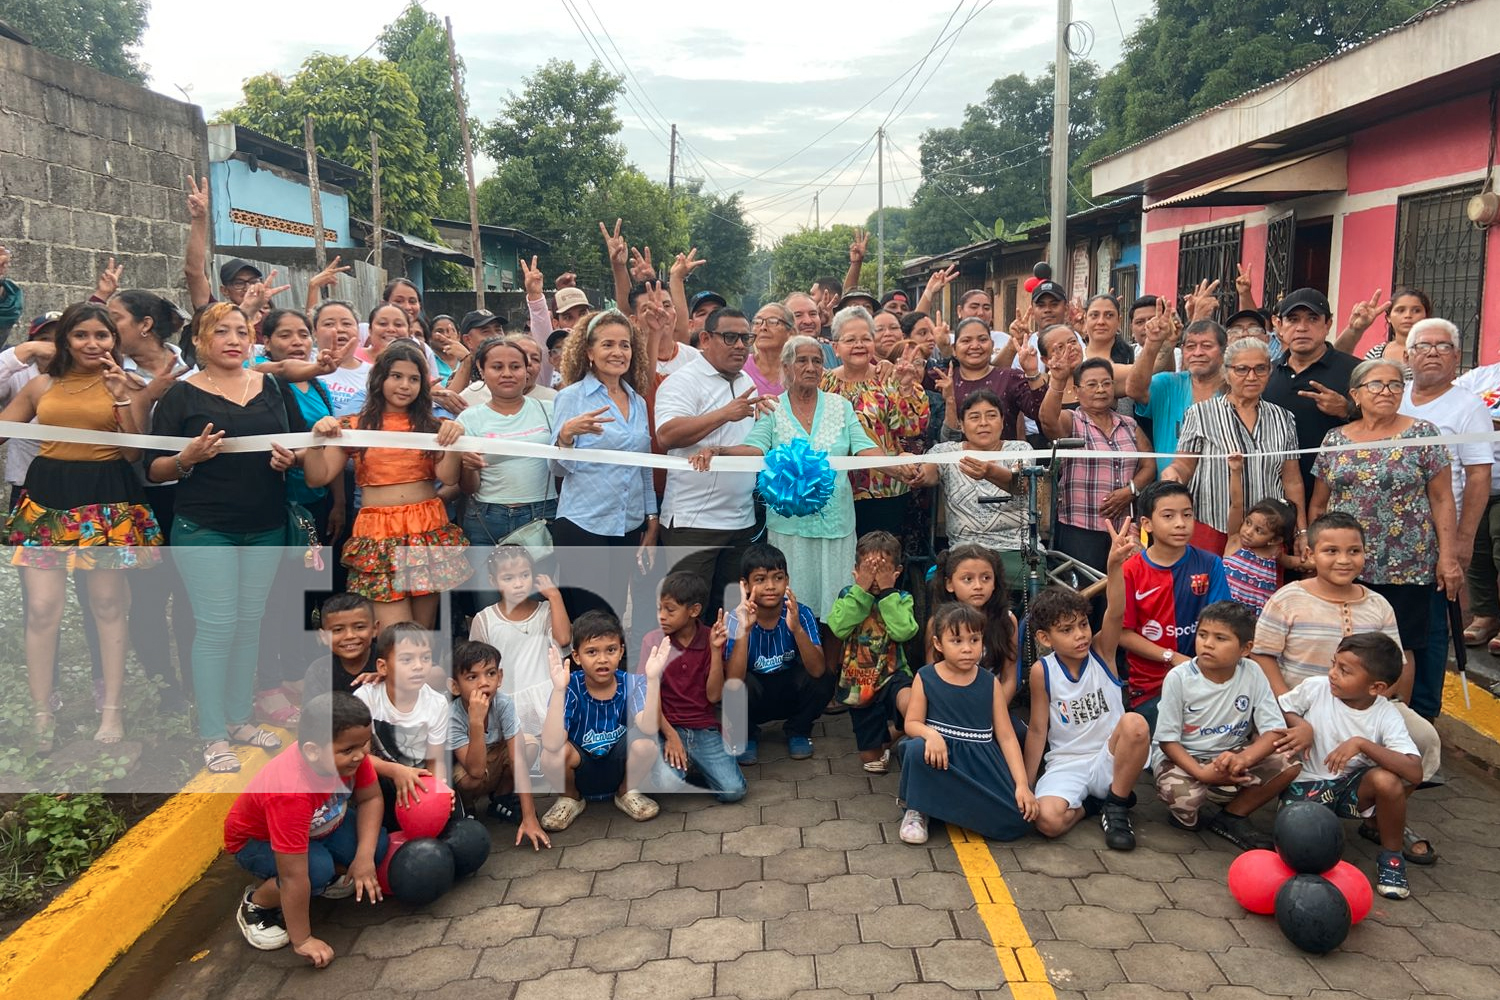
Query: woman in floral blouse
point(889, 409)
point(1403, 497)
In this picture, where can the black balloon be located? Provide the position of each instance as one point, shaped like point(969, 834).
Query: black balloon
point(1041, 269)
point(1312, 913)
point(421, 871)
point(470, 843)
point(1309, 837)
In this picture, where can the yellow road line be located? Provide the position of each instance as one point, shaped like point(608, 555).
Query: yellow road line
point(1024, 970)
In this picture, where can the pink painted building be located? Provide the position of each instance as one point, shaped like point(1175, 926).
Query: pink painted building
point(1357, 174)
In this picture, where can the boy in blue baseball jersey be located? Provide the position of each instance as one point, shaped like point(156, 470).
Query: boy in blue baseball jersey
point(599, 738)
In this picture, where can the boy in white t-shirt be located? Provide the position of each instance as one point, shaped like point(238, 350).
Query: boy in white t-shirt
point(1361, 759)
point(410, 718)
point(1216, 732)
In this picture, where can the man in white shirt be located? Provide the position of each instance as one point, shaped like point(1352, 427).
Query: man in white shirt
point(709, 517)
point(1432, 352)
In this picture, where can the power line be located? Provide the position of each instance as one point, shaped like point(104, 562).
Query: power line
point(928, 55)
point(944, 192)
point(862, 172)
point(837, 169)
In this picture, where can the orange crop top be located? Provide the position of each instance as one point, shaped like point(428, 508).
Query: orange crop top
point(391, 466)
point(80, 401)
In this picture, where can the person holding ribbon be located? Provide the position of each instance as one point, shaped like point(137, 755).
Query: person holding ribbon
point(819, 547)
point(83, 509)
point(230, 518)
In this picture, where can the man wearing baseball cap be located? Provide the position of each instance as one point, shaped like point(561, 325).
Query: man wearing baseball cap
point(1311, 379)
point(571, 306)
point(1255, 324)
point(858, 297)
point(478, 325)
point(895, 302)
point(1049, 304)
point(700, 306)
point(235, 278)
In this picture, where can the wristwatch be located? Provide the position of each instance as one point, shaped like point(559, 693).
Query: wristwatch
point(1166, 655)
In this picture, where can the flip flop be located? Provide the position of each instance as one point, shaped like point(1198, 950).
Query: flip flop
point(1479, 635)
point(1409, 840)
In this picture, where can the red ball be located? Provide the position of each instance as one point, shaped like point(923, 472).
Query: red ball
point(1254, 879)
point(382, 871)
point(1355, 887)
point(426, 818)
point(1030, 284)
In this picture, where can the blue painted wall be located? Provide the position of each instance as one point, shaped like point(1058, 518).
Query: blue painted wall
point(235, 185)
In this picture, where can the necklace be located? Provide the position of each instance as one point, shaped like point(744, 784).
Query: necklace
point(243, 394)
point(83, 388)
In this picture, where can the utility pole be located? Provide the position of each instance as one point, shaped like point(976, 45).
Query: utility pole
point(320, 250)
point(1058, 244)
point(672, 169)
point(817, 214)
point(378, 236)
point(880, 213)
point(463, 130)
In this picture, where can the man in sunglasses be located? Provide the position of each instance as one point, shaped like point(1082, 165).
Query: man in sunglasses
point(708, 518)
point(1311, 378)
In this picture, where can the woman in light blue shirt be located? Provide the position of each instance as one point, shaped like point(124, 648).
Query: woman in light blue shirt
point(600, 506)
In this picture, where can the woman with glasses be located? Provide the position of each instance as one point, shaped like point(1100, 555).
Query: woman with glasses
point(1403, 496)
point(772, 327)
point(1239, 421)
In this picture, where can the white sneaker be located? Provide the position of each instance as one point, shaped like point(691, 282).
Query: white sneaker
point(264, 927)
point(914, 827)
point(562, 814)
point(340, 888)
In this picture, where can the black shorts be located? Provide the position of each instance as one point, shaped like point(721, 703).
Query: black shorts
point(1412, 603)
point(599, 776)
point(871, 721)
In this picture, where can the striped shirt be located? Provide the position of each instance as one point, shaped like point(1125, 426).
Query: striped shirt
point(594, 726)
point(771, 650)
point(1087, 481)
point(1213, 429)
point(1302, 631)
point(1252, 578)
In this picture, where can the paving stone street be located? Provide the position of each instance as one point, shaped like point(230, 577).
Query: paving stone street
point(804, 891)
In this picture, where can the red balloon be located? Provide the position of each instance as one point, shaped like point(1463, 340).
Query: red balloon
point(427, 817)
point(382, 871)
point(1254, 879)
point(1355, 887)
point(1031, 284)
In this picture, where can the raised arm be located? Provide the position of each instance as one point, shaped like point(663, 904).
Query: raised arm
point(619, 262)
point(856, 258)
point(682, 266)
point(1361, 318)
point(195, 260)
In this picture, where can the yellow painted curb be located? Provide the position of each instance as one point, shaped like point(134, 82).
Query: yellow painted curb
point(61, 952)
point(1024, 971)
point(1482, 714)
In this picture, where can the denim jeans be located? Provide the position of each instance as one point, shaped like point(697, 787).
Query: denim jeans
point(1431, 661)
point(228, 577)
point(486, 525)
point(705, 752)
point(338, 848)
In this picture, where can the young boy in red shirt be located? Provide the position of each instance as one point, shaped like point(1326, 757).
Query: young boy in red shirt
point(291, 827)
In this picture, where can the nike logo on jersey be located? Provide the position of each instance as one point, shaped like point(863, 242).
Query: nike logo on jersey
point(1141, 595)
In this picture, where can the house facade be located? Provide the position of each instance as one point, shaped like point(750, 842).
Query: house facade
point(1354, 175)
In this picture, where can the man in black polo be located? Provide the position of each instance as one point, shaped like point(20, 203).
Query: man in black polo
point(1311, 378)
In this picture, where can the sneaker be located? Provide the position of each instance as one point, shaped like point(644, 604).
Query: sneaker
point(1390, 876)
point(505, 807)
point(1114, 819)
point(1172, 820)
point(637, 806)
point(880, 765)
point(340, 888)
point(799, 747)
point(562, 814)
point(751, 753)
point(263, 926)
point(1240, 832)
point(913, 827)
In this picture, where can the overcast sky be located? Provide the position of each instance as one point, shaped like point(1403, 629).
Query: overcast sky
point(749, 84)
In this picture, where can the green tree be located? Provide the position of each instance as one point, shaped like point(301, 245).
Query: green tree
point(799, 258)
point(417, 43)
point(348, 100)
point(996, 164)
point(1190, 55)
point(103, 33)
point(718, 228)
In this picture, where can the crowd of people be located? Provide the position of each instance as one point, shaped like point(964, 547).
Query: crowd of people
point(1275, 625)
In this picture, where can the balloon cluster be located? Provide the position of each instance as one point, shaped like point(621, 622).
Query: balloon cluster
point(1040, 272)
point(797, 479)
point(1316, 897)
point(433, 848)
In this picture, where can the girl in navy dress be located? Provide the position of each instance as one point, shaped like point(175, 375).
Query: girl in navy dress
point(963, 764)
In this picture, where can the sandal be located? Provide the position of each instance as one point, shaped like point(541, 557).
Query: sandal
point(263, 738)
point(111, 732)
point(1481, 631)
point(880, 765)
point(1494, 646)
point(221, 761)
point(44, 728)
point(273, 706)
point(1409, 841)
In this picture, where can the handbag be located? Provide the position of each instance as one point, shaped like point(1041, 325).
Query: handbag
point(535, 537)
point(301, 526)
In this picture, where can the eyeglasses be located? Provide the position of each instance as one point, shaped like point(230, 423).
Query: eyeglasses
point(1382, 388)
point(1250, 331)
point(768, 321)
point(1422, 350)
point(239, 284)
point(1244, 371)
point(734, 338)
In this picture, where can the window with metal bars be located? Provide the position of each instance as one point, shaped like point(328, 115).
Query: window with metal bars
point(1211, 255)
point(1124, 280)
point(1441, 252)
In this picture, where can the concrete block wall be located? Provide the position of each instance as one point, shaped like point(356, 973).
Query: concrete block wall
point(91, 167)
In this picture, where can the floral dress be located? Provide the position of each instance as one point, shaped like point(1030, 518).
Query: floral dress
point(887, 415)
point(1385, 489)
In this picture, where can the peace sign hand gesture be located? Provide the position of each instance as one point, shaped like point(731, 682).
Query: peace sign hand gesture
point(939, 280)
point(641, 268)
point(1330, 401)
point(857, 246)
point(1202, 301)
point(1244, 282)
point(197, 200)
point(614, 245)
point(1022, 325)
point(684, 264)
point(907, 369)
point(531, 279)
point(119, 382)
point(328, 276)
point(1364, 313)
point(1123, 543)
point(109, 280)
point(718, 636)
point(651, 311)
